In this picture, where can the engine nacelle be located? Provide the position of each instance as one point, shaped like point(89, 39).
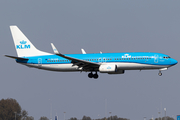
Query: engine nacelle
point(108, 68)
point(118, 72)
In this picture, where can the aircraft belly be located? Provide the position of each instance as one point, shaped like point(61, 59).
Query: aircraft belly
point(70, 67)
point(137, 66)
point(55, 67)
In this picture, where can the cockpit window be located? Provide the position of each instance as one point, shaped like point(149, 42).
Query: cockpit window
point(166, 57)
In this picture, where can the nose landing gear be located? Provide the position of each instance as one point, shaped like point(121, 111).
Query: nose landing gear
point(91, 75)
point(160, 73)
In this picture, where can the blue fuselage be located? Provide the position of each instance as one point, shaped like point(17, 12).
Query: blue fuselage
point(125, 61)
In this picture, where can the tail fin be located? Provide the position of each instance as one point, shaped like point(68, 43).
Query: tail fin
point(23, 46)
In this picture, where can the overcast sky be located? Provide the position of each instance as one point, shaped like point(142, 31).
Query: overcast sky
point(95, 25)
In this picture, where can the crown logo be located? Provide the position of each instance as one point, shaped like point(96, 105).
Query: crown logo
point(108, 67)
point(23, 42)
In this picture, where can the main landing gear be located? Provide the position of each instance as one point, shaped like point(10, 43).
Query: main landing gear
point(91, 75)
point(160, 73)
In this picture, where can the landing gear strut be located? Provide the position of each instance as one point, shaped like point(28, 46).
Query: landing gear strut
point(91, 75)
point(160, 73)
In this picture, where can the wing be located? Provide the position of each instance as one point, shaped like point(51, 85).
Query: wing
point(81, 63)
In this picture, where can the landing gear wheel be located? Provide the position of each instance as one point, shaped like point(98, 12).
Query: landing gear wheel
point(90, 75)
point(95, 76)
point(160, 74)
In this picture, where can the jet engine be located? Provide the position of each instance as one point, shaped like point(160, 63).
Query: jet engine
point(110, 69)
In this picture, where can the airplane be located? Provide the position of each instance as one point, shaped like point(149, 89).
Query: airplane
point(111, 63)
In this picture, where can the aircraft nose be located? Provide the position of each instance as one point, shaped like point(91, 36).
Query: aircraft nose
point(174, 62)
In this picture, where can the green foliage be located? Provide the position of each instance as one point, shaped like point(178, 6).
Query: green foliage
point(86, 118)
point(43, 118)
point(113, 118)
point(109, 118)
point(29, 118)
point(8, 108)
point(73, 118)
point(167, 118)
point(24, 115)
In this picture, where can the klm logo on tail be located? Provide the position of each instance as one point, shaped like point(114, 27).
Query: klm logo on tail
point(23, 45)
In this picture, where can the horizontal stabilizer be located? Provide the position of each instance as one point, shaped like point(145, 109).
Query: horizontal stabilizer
point(19, 58)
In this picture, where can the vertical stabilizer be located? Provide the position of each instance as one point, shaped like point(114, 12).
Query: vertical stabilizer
point(23, 46)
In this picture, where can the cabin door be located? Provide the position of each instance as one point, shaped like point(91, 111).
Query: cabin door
point(156, 58)
point(39, 62)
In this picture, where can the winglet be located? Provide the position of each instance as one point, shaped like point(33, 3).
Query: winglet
point(83, 51)
point(54, 49)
